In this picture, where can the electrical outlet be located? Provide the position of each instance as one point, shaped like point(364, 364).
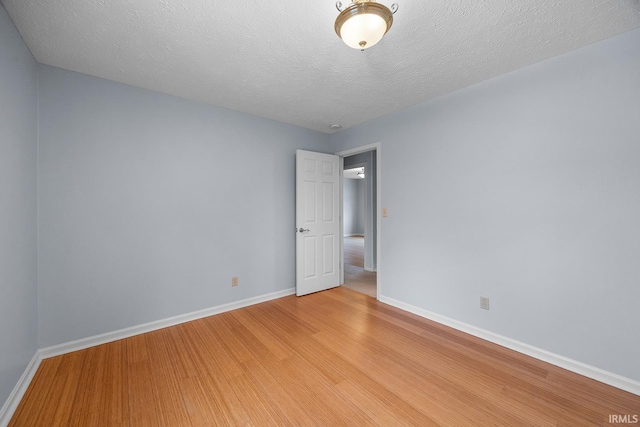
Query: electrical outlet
point(484, 303)
point(234, 281)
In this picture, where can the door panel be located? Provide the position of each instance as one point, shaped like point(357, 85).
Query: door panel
point(317, 222)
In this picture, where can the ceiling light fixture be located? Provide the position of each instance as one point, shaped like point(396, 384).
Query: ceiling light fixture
point(363, 23)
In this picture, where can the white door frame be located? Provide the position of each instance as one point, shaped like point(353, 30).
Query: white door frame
point(346, 153)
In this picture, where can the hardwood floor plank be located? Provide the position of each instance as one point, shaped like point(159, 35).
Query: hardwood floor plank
point(597, 394)
point(256, 406)
point(331, 358)
point(455, 366)
point(114, 406)
point(137, 349)
point(199, 404)
point(213, 354)
point(221, 326)
point(143, 410)
point(323, 401)
point(230, 404)
point(166, 372)
point(263, 334)
point(85, 410)
point(303, 344)
point(558, 407)
point(420, 391)
point(376, 410)
point(407, 347)
point(37, 395)
point(142, 395)
point(185, 349)
point(276, 393)
point(65, 388)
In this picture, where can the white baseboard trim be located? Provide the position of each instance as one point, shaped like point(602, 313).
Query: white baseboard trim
point(589, 371)
point(83, 343)
point(18, 391)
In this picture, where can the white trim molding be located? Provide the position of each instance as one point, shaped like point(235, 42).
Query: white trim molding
point(583, 369)
point(19, 390)
point(83, 343)
point(21, 387)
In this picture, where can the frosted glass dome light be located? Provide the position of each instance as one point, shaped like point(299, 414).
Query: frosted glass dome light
point(363, 23)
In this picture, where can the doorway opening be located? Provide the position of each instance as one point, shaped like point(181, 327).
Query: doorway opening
point(360, 220)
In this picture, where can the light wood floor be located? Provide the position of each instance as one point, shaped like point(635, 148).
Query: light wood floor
point(355, 276)
point(331, 358)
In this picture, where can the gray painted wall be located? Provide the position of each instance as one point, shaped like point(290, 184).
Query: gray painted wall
point(524, 189)
point(353, 212)
point(149, 204)
point(18, 242)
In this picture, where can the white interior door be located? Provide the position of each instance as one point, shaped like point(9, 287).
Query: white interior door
point(317, 222)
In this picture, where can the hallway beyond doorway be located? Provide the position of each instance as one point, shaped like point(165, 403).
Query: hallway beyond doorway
point(355, 276)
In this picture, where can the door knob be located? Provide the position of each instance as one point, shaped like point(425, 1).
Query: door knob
point(303, 230)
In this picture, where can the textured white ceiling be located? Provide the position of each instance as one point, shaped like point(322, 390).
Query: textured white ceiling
point(282, 60)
